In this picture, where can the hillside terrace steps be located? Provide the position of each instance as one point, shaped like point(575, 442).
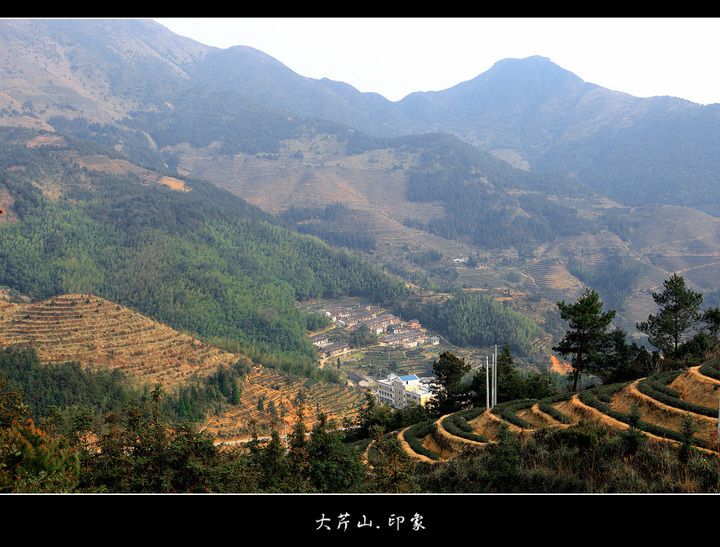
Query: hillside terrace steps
point(692, 384)
point(658, 413)
point(538, 418)
point(95, 331)
point(282, 394)
point(551, 275)
point(446, 445)
point(99, 333)
point(697, 388)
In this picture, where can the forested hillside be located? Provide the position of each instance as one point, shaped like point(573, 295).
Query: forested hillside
point(476, 320)
point(487, 202)
point(200, 260)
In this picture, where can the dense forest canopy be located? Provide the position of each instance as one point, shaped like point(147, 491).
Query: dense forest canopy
point(474, 187)
point(475, 320)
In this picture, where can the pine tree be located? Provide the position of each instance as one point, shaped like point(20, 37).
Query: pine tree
point(235, 394)
point(510, 384)
point(678, 315)
point(392, 468)
point(449, 393)
point(31, 461)
point(587, 334)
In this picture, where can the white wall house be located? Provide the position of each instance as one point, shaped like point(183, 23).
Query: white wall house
point(400, 391)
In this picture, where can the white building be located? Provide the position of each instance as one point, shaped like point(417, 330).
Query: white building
point(400, 391)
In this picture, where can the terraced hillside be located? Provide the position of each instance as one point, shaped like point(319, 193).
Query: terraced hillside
point(99, 333)
point(664, 401)
point(553, 278)
point(270, 400)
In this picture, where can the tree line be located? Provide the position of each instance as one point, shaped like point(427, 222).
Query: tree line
point(127, 444)
point(132, 448)
point(680, 332)
point(298, 217)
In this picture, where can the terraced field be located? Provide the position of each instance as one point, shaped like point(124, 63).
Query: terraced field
point(664, 401)
point(551, 277)
point(371, 185)
point(99, 333)
point(270, 400)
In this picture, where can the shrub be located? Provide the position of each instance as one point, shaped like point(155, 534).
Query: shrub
point(414, 433)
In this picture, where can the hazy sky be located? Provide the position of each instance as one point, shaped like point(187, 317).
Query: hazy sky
point(396, 56)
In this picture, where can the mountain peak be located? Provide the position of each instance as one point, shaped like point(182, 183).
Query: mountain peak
point(531, 59)
point(535, 65)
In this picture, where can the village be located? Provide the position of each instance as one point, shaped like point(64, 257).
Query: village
point(389, 331)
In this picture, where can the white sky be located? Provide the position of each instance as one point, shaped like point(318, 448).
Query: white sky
point(396, 56)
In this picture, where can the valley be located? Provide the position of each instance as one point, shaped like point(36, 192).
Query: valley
point(372, 186)
point(173, 211)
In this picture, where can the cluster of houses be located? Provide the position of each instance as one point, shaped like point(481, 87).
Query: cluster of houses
point(391, 330)
point(353, 315)
point(396, 391)
point(328, 348)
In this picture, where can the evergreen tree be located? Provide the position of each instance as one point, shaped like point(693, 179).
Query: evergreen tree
point(298, 477)
point(450, 394)
point(539, 385)
point(31, 460)
point(332, 466)
point(392, 468)
point(587, 334)
point(622, 360)
point(362, 337)
point(235, 393)
point(711, 318)
point(687, 432)
point(274, 465)
point(678, 315)
point(510, 385)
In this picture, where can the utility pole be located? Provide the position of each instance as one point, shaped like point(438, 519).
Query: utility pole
point(495, 385)
point(491, 381)
point(487, 386)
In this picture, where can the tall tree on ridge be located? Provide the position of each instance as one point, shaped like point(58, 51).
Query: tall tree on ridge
point(678, 315)
point(587, 335)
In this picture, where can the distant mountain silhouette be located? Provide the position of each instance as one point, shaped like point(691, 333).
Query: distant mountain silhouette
point(636, 150)
point(658, 150)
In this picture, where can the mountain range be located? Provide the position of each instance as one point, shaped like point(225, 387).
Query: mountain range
point(531, 110)
point(542, 182)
